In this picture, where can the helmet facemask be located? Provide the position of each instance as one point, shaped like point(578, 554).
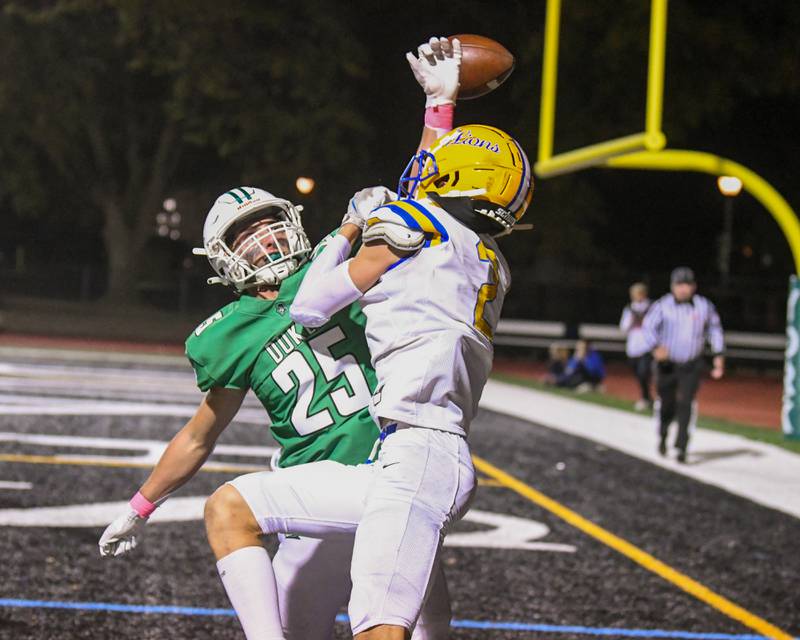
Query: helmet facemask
point(253, 251)
point(414, 173)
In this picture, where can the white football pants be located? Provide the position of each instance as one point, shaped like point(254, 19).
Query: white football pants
point(313, 580)
point(399, 507)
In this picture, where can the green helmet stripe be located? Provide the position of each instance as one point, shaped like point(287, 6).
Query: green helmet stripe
point(246, 195)
point(235, 197)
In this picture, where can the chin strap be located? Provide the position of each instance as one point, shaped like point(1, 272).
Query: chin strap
point(514, 229)
point(461, 208)
point(200, 251)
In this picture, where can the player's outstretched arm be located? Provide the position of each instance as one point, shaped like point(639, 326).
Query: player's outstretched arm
point(436, 67)
point(327, 286)
point(372, 261)
point(182, 458)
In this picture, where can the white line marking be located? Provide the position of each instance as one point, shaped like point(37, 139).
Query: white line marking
point(151, 450)
point(508, 532)
point(30, 405)
point(757, 471)
point(15, 486)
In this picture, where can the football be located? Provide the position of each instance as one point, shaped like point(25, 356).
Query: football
point(485, 64)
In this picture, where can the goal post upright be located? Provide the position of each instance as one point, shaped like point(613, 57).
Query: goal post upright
point(647, 151)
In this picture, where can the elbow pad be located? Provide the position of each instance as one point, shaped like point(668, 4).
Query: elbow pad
point(395, 235)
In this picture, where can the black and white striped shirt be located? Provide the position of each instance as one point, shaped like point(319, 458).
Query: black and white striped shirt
point(683, 327)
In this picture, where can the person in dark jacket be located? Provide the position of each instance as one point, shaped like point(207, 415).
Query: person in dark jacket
point(585, 370)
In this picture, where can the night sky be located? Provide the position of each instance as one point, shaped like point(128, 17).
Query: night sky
point(598, 230)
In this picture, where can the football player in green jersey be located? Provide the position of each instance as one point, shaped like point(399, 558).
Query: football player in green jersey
point(314, 386)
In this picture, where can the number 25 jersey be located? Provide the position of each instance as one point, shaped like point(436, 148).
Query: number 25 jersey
point(431, 319)
point(315, 386)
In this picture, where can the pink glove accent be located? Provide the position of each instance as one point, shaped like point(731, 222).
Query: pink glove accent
point(142, 505)
point(440, 117)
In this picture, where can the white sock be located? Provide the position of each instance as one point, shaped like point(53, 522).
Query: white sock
point(250, 584)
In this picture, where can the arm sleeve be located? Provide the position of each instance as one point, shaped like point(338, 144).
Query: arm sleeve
point(326, 287)
point(714, 331)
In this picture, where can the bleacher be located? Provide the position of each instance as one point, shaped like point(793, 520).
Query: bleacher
point(739, 345)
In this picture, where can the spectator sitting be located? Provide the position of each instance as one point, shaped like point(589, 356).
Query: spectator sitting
point(585, 370)
point(557, 364)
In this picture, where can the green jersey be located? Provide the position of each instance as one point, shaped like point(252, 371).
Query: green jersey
point(315, 385)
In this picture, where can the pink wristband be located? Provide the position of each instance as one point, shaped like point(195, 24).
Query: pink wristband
point(142, 505)
point(440, 117)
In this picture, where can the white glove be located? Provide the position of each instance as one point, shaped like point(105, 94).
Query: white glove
point(123, 534)
point(436, 67)
point(365, 201)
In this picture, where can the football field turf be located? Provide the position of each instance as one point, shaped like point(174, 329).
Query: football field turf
point(566, 538)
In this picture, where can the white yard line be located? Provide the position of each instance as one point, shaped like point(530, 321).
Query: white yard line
point(16, 486)
point(39, 405)
point(760, 472)
point(88, 355)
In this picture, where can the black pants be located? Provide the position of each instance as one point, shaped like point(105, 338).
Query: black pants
point(643, 370)
point(578, 377)
point(677, 385)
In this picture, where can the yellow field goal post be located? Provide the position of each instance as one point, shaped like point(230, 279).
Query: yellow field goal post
point(647, 150)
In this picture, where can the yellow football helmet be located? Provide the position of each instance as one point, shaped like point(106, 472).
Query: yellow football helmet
point(476, 161)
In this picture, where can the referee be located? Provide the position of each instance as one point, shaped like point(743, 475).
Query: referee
point(676, 329)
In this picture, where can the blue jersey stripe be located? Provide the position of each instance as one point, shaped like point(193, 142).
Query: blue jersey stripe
point(398, 263)
point(409, 220)
point(436, 224)
point(407, 217)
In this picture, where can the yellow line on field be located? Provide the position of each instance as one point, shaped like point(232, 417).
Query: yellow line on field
point(632, 552)
point(489, 482)
point(212, 467)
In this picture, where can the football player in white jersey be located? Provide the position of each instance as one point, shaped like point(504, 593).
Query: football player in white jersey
point(431, 281)
point(311, 577)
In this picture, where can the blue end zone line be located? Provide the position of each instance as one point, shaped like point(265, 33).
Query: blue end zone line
point(460, 624)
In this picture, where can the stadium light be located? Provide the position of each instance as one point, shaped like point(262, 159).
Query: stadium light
point(305, 185)
point(729, 186)
point(168, 220)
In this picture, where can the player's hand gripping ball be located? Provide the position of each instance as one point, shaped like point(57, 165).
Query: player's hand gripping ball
point(123, 534)
point(436, 68)
point(485, 65)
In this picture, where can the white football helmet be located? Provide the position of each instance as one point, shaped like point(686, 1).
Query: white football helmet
point(271, 253)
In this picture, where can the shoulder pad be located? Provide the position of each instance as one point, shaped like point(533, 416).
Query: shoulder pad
point(396, 235)
point(413, 216)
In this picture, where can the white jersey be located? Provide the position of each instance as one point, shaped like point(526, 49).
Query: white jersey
point(431, 318)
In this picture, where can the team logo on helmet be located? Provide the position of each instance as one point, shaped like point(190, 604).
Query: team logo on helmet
point(466, 137)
